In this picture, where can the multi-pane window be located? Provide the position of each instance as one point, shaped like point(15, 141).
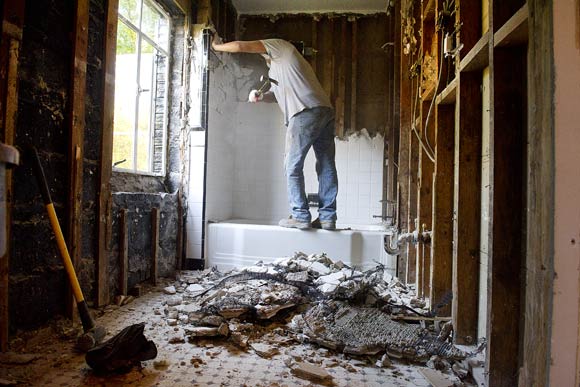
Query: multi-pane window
point(141, 82)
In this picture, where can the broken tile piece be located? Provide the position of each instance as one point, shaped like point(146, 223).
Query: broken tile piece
point(311, 372)
point(264, 350)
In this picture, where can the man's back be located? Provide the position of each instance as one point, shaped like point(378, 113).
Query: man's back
point(298, 88)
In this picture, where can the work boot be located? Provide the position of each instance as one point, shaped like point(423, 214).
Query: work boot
point(294, 223)
point(324, 224)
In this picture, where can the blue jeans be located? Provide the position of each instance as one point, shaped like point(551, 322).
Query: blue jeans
point(311, 128)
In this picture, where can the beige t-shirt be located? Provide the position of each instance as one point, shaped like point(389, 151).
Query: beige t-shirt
point(298, 88)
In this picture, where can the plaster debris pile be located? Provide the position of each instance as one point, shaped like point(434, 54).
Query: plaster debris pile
point(305, 298)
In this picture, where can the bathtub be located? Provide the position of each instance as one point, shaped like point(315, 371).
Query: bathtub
point(237, 243)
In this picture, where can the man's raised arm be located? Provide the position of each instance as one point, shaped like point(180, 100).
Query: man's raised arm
point(254, 46)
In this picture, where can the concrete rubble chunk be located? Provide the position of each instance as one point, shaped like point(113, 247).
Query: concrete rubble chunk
point(301, 276)
point(169, 290)
point(264, 350)
point(174, 300)
point(334, 278)
point(311, 372)
point(384, 361)
point(194, 288)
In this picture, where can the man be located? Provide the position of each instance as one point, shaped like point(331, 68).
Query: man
point(309, 116)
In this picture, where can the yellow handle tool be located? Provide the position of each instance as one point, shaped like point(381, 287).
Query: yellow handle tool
point(93, 334)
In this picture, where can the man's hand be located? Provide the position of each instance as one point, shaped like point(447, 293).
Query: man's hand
point(255, 96)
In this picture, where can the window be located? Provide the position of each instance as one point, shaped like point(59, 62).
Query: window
point(141, 82)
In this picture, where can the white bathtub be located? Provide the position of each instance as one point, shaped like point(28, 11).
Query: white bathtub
point(237, 243)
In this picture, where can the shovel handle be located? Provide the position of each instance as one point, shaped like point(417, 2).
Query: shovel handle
point(86, 318)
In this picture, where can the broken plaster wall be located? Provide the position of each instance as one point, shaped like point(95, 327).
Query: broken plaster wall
point(245, 176)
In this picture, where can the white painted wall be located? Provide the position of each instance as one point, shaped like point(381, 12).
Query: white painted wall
point(564, 369)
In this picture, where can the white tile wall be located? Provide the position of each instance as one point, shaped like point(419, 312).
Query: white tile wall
point(260, 183)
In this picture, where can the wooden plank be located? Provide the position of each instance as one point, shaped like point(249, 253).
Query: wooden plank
point(104, 206)
point(478, 57)
point(154, 244)
point(402, 101)
point(466, 207)
point(123, 252)
point(76, 137)
point(353, 77)
point(506, 257)
point(448, 95)
point(12, 24)
point(314, 44)
point(539, 264)
point(515, 31)
point(412, 253)
point(442, 237)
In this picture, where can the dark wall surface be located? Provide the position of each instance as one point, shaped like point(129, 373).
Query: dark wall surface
point(38, 282)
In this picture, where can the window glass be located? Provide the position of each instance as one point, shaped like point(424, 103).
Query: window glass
point(154, 25)
point(140, 122)
point(125, 89)
point(130, 10)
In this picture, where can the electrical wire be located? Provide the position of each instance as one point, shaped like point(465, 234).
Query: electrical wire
point(434, 96)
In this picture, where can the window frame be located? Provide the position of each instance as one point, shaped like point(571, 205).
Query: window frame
point(167, 53)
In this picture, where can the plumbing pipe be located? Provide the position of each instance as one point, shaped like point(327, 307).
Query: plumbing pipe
point(413, 237)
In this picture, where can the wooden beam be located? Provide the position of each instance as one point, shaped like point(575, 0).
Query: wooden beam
point(353, 79)
point(442, 237)
point(412, 253)
point(12, 25)
point(123, 252)
point(508, 121)
point(104, 206)
point(76, 138)
point(340, 103)
point(539, 264)
point(467, 208)
point(314, 44)
point(154, 244)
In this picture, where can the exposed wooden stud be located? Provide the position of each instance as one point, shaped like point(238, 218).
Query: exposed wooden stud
point(353, 79)
point(104, 206)
point(514, 31)
point(412, 251)
point(76, 137)
point(448, 95)
point(123, 251)
point(467, 208)
point(442, 237)
point(508, 121)
point(340, 103)
point(478, 57)
point(539, 264)
point(12, 25)
point(154, 244)
point(314, 39)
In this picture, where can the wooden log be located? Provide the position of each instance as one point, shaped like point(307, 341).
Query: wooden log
point(154, 244)
point(104, 206)
point(123, 251)
point(12, 25)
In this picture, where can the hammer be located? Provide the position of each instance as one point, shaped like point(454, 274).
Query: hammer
point(93, 334)
point(267, 81)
